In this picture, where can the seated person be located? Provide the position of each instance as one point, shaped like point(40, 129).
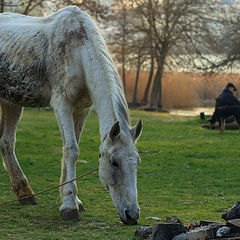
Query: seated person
point(226, 105)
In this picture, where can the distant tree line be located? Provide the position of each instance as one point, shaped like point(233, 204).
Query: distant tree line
point(161, 35)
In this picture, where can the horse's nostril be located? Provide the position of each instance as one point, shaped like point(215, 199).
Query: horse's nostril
point(130, 219)
point(128, 215)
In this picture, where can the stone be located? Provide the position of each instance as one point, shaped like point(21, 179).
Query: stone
point(173, 219)
point(187, 203)
point(223, 231)
point(192, 225)
point(182, 236)
point(82, 161)
point(234, 224)
point(213, 226)
point(207, 222)
point(166, 231)
point(201, 233)
point(154, 218)
point(143, 232)
point(233, 213)
point(228, 238)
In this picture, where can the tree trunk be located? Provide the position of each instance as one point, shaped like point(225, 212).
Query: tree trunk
point(26, 11)
point(150, 77)
point(159, 95)
point(2, 6)
point(156, 95)
point(134, 101)
point(154, 89)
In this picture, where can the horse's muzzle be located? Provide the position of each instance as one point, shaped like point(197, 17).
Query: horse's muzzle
point(129, 217)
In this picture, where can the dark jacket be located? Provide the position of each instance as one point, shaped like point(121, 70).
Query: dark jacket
point(226, 98)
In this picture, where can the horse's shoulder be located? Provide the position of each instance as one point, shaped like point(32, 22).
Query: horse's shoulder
point(69, 22)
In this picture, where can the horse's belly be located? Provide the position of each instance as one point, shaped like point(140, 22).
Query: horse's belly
point(26, 85)
point(27, 94)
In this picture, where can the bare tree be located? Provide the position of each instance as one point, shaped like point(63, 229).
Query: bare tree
point(151, 72)
point(119, 40)
point(93, 7)
point(138, 60)
point(2, 6)
point(8, 5)
point(142, 45)
point(222, 44)
point(31, 7)
point(172, 33)
point(24, 7)
point(173, 24)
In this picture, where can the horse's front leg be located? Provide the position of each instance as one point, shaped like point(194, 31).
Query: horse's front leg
point(79, 117)
point(64, 115)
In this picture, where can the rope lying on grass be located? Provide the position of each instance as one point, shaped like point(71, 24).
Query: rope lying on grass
point(50, 189)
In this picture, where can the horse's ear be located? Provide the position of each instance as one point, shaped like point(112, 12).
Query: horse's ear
point(137, 129)
point(115, 131)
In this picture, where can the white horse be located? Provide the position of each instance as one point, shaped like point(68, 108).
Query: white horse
point(62, 61)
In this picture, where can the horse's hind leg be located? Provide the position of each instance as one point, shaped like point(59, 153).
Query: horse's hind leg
point(79, 118)
point(11, 115)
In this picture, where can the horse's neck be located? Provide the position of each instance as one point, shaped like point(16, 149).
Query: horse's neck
point(104, 108)
point(100, 92)
point(104, 85)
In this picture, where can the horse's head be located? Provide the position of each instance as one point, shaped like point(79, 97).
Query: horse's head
point(118, 170)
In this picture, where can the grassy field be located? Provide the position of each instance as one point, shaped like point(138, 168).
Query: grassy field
point(186, 171)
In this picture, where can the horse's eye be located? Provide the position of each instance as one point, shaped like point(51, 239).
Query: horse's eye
point(99, 155)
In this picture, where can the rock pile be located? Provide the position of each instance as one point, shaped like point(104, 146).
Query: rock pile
point(174, 229)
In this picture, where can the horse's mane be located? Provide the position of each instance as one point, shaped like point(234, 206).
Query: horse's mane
point(112, 77)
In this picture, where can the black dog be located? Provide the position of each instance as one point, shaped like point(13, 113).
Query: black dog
point(222, 113)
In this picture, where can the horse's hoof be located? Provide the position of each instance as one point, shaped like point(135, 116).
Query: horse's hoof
point(27, 200)
point(70, 214)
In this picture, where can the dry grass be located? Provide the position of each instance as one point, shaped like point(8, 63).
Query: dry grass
point(184, 90)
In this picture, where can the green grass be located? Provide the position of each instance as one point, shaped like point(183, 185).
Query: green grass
point(186, 171)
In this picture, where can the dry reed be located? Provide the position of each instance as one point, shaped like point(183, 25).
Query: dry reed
point(182, 89)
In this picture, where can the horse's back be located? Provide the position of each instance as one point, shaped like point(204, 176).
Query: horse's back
point(60, 16)
point(22, 65)
point(32, 50)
